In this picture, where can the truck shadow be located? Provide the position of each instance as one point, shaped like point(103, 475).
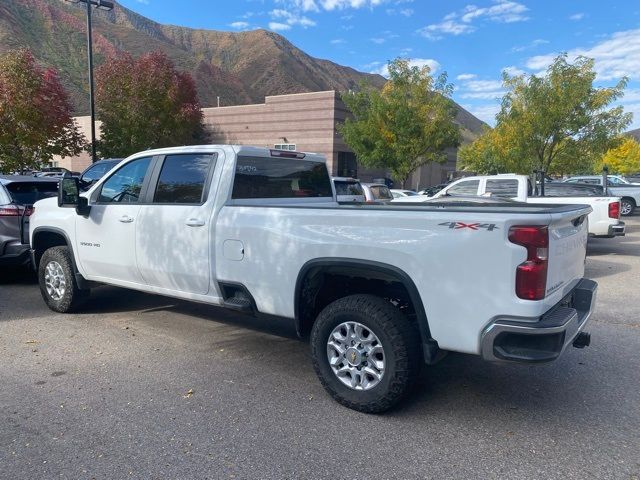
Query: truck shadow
point(110, 300)
point(18, 276)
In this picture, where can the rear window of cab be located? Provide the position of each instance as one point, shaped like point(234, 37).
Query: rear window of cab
point(262, 177)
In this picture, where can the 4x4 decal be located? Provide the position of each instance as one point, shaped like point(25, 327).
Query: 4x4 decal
point(471, 226)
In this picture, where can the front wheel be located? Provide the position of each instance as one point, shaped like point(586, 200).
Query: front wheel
point(365, 352)
point(627, 207)
point(57, 280)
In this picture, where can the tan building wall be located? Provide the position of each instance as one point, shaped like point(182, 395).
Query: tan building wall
point(306, 120)
point(82, 161)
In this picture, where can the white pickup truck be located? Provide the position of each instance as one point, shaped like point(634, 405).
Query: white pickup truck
point(380, 289)
point(604, 220)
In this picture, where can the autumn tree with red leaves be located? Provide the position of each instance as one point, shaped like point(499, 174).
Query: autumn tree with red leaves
point(146, 103)
point(35, 114)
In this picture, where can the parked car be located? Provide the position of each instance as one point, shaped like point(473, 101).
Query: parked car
point(96, 171)
point(629, 193)
point(348, 189)
point(376, 193)
point(398, 193)
point(604, 219)
point(377, 287)
point(431, 191)
point(17, 195)
point(52, 172)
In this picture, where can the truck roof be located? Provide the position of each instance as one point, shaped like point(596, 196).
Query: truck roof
point(237, 149)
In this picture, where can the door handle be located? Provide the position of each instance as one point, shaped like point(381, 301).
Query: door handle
point(125, 219)
point(194, 222)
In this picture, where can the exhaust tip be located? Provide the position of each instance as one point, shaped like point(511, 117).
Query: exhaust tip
point(583, 339)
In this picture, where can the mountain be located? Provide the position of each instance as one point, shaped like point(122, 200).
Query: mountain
point(634, 133)
point(239, 67)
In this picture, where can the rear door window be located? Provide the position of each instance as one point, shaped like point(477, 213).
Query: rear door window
point(502, 187)
point(264, 177)
point(464, 188)
point(28, 193)
point(183, 179)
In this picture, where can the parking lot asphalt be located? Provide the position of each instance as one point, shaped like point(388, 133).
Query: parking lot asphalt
point(141, 386)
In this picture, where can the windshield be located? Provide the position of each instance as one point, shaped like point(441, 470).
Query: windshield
point(28, 193)
point(617, 180)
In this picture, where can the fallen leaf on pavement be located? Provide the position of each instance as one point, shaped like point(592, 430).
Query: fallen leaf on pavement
point(188, 394)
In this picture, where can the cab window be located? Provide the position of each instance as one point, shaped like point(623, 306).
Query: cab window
point(467, 187)
point(503, 188)
point(183, 179)
point(125, 185)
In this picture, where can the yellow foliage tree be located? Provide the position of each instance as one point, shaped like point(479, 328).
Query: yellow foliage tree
point(623, 159)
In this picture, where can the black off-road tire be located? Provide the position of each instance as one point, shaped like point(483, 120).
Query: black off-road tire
point(399, 338)
point(73, 296)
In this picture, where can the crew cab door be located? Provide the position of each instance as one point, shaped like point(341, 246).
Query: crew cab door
point(105, 239)
point(173, 243)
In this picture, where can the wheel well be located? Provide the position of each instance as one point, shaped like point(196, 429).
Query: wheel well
point(44, 240)
point(323, 283)
point(631, 199)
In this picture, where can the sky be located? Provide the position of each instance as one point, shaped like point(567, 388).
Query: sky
point(473, 41)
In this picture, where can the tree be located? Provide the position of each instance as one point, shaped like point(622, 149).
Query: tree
point(409, 123)
point(146, 103)
point(623, 159)
point(559, 122)
point(35, 114)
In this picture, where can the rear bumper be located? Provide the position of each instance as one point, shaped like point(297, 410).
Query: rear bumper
point(544, 339)
point(617, 230)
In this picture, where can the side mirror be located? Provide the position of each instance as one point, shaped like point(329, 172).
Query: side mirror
point(69, 195)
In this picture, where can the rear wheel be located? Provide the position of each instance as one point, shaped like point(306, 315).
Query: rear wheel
point(57, 280)
point(365, 352)
point(627, 206)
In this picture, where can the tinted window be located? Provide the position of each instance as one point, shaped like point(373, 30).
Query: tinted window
point(348, 188)
point(125, 184)
point(280, 178)
point(182, 179)
point(468, 187)
point(380, 192)
point(502, 188)
point(28, 193)
point(564, 190)
point(97, 171)
point(591, 181)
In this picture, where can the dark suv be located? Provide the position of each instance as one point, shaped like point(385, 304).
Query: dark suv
point(96, 171)
point(17, 195)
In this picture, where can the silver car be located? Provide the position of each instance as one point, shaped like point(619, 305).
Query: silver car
point(617, 186)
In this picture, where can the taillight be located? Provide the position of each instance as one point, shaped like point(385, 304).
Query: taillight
point(531, 275)
point(15, 211)
point(286, 154)
point(10, 211)
point(614, 210)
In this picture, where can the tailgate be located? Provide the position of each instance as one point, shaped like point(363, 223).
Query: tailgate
point(568, 233)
